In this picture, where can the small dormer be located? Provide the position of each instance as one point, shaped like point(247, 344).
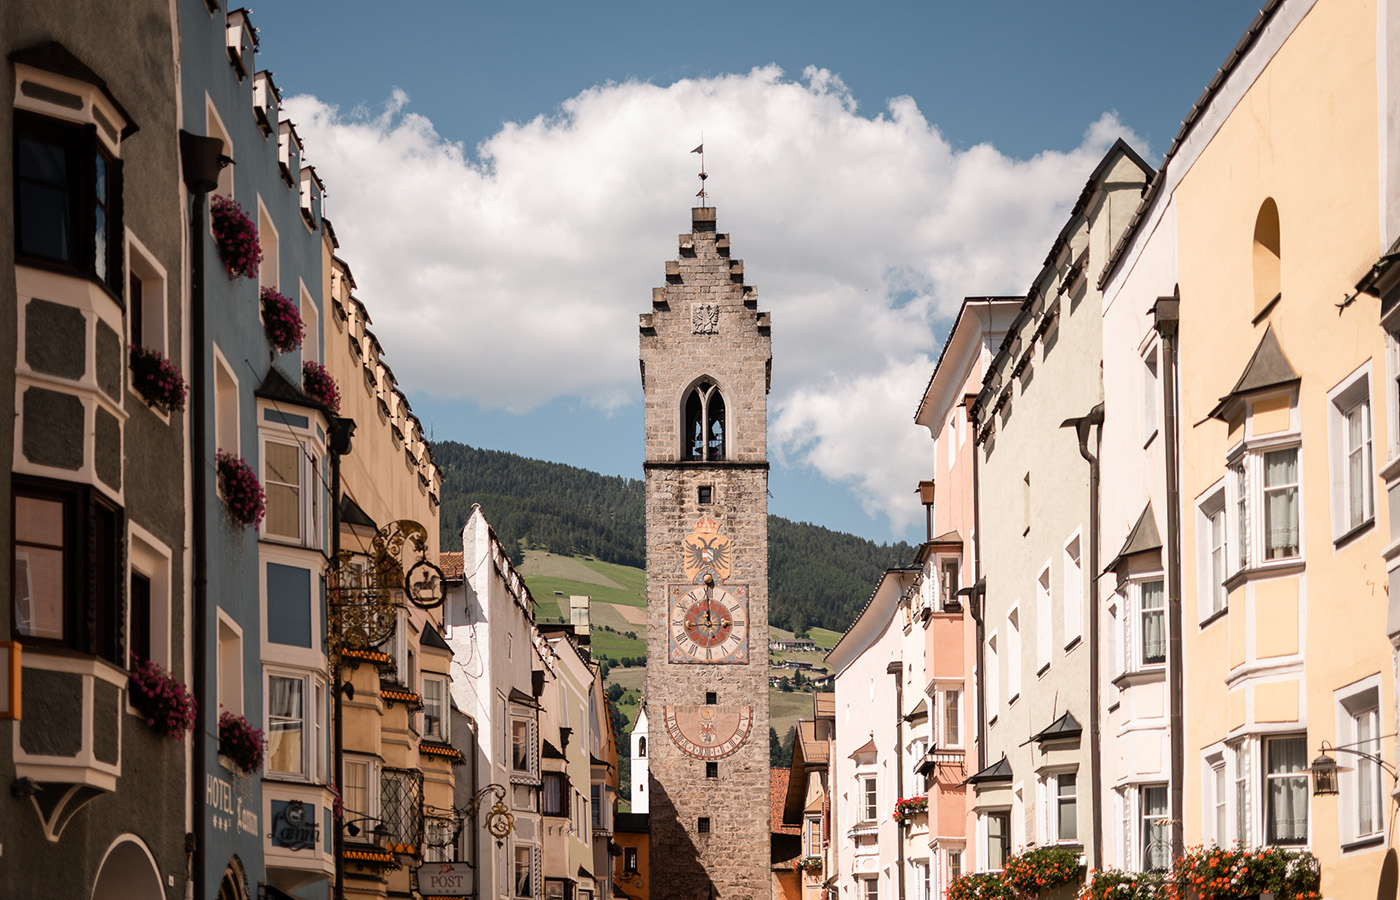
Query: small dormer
point(311, 192)
point(289, 149)
point(242, 42)
point(267, 102)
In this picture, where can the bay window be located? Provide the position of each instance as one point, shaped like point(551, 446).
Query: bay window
point(997, 827)
point(1060, 802)
point(68, 568)
point(435, 716)
point(68, 190)
point(295, 724)
point(289, 479)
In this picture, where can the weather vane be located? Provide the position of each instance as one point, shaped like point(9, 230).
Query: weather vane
point(701, 150)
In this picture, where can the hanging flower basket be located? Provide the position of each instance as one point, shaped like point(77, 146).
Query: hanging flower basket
point(1218, 873)
point(1037, 871)
point(320, 386)
point(242, 491)
point(241, 742)
point(281, 320)
point(906, 807)
point(236, 237)
point(812, 865)
point(980, 886)
point(157, 380)
point(167, 704)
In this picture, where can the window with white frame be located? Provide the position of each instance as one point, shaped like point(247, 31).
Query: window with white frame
point(1240, 758)
point(871, 887)
point(1353, 471)
point(1073, 592)
point(435, 717)
point(294, 724)
point(145, 298)
point(289, 482)
point(1212, 554)
point(1286, 790)
point(1216, 796)
point(812, 836)
point(1044, 616)
point(361, 802)
point(1154, 828)
point(523, 758)
point(1059, 802)
point(524, 871)
point(950, 717)
point(1144, 625)
point(870, 798)
point(1392, 382)
point(949, 581)
point(1152, 616)
point(996, 829)
point(311, 327)
point(1361, 788)
point(1013, 655)
point(1267, 508)
point(919, 878)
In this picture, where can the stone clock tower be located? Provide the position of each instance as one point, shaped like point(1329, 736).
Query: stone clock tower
point(706, 358)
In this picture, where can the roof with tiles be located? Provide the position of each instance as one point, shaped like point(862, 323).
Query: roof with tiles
point(452, 566)
point(777, 793)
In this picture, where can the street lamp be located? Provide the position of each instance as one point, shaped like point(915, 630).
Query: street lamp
point(1324, 769)
point(376, 834)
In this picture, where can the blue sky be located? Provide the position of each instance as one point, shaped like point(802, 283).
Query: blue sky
point(508, 179)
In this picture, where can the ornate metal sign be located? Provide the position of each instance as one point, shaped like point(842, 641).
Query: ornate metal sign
point(365, 592)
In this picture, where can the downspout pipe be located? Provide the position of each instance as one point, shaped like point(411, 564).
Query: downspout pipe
point(341, 431)
point(1166, 319)
point(978, 591)
point(1082, 426)
point(896, 668)
point(201, 158)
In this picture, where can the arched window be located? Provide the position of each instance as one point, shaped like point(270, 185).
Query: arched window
point(704, 423)
point(641, 747)
point(1267, 283)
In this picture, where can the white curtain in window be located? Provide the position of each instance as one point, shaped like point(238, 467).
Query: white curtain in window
point(1368, 774)
point(1288, 791)
point(1156, 839)
point(1358, 464)
point(1281, 504)
point(1154, 624)
point(284, 720)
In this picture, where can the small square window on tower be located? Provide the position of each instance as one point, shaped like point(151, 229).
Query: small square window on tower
point(711, 698)
point(711, 770)
point(705, 494)
point(702, 826)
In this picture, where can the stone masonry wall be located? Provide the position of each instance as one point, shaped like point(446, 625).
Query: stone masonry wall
point(677, 348)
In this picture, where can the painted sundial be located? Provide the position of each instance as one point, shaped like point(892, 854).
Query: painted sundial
point(708, 732)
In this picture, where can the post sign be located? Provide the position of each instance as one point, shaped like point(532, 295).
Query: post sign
point(446, 879)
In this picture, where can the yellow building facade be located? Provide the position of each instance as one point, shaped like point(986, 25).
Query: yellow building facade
point(397, 761)
point(1283, 431)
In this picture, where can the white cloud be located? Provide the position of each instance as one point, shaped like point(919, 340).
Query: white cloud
point(513, 274)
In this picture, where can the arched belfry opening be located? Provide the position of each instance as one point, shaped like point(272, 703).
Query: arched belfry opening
point(704, 435)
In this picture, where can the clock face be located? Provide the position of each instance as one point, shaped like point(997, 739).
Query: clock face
point(708, 624)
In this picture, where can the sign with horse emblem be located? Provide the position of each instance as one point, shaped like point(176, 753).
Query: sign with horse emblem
point(706, 550)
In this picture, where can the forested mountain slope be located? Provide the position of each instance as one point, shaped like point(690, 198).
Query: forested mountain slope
point(816, 576)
